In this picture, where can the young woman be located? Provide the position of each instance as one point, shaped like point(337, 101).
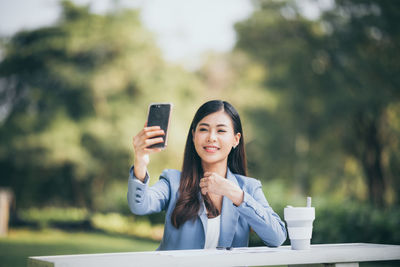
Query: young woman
point(210, 202)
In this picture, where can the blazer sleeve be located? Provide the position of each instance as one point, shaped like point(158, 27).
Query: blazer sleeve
point(260, 216)
point(143, 199)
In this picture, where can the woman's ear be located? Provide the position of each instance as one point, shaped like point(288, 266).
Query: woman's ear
point(237, 140)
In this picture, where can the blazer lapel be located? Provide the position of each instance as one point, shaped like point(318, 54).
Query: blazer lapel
point(229, 218)
point(203, 215)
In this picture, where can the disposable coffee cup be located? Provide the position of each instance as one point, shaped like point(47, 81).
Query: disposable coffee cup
point(300, 224)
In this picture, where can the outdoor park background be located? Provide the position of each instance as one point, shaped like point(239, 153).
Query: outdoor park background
point(319, 99)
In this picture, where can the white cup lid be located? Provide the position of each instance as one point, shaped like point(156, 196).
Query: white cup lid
point(299, 213)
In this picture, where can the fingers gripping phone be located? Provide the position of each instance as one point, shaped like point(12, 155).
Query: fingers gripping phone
point(159, 115)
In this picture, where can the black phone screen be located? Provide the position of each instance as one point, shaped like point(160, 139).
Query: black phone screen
point(159, 116)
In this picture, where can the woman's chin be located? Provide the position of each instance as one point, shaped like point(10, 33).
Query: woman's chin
point(213, 159)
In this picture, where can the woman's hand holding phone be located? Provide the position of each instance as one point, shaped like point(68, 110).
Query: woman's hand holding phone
point(153, 137)
point(147, 137)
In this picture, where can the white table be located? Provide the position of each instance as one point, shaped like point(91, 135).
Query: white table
point(325, 255)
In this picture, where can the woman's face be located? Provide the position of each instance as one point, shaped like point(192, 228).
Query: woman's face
point(214, 138)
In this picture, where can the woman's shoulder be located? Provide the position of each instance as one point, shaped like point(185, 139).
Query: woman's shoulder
point(247, 182)
point(171, 175)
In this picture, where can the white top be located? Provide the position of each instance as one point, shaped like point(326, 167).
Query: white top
point(212, 234)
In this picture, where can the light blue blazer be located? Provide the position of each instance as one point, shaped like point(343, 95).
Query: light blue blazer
point(236, 221)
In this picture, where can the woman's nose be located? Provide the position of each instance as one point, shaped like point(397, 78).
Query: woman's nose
point(212, 136)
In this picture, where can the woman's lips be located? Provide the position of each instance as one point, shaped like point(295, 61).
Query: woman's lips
point(211, 149)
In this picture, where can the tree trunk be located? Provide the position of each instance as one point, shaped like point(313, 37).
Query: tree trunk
point(6, 197)
point(370, 154)
point(372, 168)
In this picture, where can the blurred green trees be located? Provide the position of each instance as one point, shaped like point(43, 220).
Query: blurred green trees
point(319, 100)
point(337, 82)
point(72, 97)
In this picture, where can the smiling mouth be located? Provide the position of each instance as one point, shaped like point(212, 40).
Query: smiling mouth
point(211, 149)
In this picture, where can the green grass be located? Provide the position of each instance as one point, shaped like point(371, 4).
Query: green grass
point(22, 243)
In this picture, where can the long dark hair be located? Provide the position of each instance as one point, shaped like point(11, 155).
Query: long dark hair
point(188, 203)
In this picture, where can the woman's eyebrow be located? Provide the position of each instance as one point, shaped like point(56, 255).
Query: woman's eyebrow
point(208, 125)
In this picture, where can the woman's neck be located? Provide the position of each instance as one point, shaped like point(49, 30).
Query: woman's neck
point(219, 168)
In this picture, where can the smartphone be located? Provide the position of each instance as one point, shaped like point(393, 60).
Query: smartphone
point(159, 115)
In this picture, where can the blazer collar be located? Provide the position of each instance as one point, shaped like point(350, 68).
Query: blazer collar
point(229, 217)
point(203, 215)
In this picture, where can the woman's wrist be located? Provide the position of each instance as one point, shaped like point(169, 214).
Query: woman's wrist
point(140, 170)
point(236, 195)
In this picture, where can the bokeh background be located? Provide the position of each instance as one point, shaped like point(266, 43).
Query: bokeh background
point(317, 84)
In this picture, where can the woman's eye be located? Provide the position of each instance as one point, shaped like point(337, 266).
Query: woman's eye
point(202, 129)
point(221, 131)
